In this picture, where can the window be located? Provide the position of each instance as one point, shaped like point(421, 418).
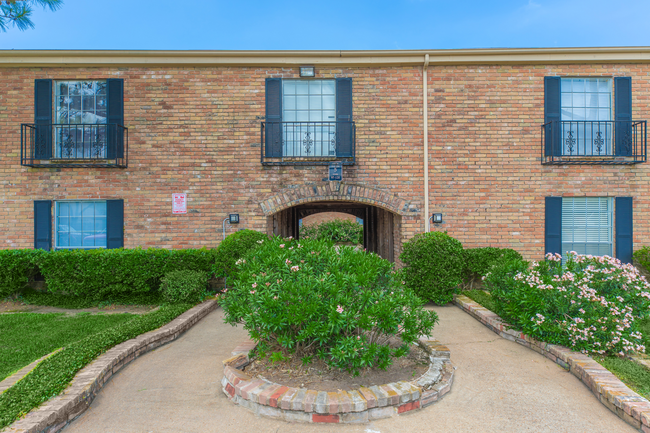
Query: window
point(587, 225)
point(308, 120)
point(80, 224)
point(586, 116)
point(81, 103)
point(309, 113)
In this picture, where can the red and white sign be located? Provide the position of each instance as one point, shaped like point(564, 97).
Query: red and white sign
point(179, 203)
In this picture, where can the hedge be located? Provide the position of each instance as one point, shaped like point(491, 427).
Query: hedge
point(17, 268)
point(54, 374)
point(479, 261)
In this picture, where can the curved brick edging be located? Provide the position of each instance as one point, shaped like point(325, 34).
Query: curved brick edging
point(56, 413)
point(608, 389)
point(358, 406)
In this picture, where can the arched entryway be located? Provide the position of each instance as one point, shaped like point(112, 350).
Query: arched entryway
point(380, 211)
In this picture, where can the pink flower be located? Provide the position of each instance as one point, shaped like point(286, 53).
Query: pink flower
point(268, 284)
point(287, 262)
point(252, 292)
point(279, 281)
point(302, 261)
point(358, 337)
point(339, 308)
point(295, 268)
point(281, 245)
point(275, 297)
point(254, 285)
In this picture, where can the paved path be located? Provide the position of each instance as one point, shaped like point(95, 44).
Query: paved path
point(499, 386)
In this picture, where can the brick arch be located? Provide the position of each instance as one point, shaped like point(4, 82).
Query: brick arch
point(335, 191)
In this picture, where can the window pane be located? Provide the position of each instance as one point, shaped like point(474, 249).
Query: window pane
point(289, 102)
point(315, 87)
point(289, 87)
point(302, 103)
point(302, 88)
point(315, 102)
point(578, 85)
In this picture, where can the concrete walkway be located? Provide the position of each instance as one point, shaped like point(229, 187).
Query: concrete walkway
point(499, 386)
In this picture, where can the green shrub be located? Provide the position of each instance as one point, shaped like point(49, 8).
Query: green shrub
point(309, 298)
point(642, 258)
point(54, 374)
point(501, 275)
point(591, 305)
point(17, 268)
point(184, 286)
point(103, 273)
point(478, 261)
point(433, 266)
point(234, 247)
point(335, 230)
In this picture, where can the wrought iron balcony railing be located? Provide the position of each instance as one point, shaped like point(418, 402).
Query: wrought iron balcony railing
point(307, 143)
point(74, 145)
point(594, 142)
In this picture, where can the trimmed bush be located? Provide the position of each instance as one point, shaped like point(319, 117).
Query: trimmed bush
point(17, 268)
point(184, 286)
point(433, 266)
point(642, 258)
point(479, 261)
point(592, 305)
point(234, 247)
point(103, 273)
point(54, 374)
point(335, 230)
point(310, 298)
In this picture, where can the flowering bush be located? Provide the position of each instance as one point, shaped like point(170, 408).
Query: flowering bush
point(310, 298)
point(591, 305)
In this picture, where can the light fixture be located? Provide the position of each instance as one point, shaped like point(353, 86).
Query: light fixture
point(436, 218)
point(233, 218)
point(307, 71)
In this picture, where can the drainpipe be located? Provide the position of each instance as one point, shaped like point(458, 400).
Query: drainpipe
point(426, 141)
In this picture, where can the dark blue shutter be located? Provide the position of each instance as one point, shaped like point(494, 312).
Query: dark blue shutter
point(43, 224)
point(114, 223)
point(553, 225)
point(273, 145)
point(115, 117)
point(344, 129)
point(624, 223)
point(43, 119)
point(552, 113)
point(623, 115)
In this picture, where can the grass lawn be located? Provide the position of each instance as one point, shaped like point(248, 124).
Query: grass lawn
point(25, 337)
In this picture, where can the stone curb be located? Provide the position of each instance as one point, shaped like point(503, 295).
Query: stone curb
point(20, 374)
point(56, 413)
point(358, 406)
point(608, 389)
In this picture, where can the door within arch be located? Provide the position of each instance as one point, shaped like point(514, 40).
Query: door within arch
point(380, 226)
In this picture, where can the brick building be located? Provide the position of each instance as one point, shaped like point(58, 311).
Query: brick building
point(534, 149)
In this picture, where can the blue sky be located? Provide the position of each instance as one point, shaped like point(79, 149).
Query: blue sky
point(334, 25)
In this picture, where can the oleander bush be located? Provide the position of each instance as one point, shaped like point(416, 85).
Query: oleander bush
point(479, 261)
point(593, 304)
point(310, 298)
point(184, 286)
point(102, 273)
point(234, 247)
point(17, 268)
point(433, 266)
point(335, 230)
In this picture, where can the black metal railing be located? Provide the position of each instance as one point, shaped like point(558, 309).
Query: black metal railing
point(307, 143)
point(74, 145)
point(594, 142)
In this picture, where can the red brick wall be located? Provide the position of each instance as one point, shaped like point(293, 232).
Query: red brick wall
point(196, 130)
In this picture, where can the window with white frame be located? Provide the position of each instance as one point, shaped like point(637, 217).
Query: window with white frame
point(587, 225)
point(80, 224)
point(309, 117)
point(80, 113)
point(586, 116)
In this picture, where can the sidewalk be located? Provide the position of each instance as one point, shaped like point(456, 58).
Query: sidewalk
point(499, 386)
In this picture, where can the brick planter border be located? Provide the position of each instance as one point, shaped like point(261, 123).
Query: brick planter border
point(56, 413)
point(358, 406)
point(608, 389)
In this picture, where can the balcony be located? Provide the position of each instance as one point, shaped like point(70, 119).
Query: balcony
point(68, 145)
point(307, 143)
point(594, 142)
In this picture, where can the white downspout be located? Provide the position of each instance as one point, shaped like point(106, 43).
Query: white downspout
point(426, 141)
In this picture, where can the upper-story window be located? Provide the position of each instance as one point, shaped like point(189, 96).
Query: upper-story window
point(76, 123)
point(586, 116)
point(588, 120)
point(80, 130)
point(308, 122)
point(310, 106)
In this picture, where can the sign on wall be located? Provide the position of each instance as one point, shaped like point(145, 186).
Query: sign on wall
point(335, 171)
point(179, 203)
